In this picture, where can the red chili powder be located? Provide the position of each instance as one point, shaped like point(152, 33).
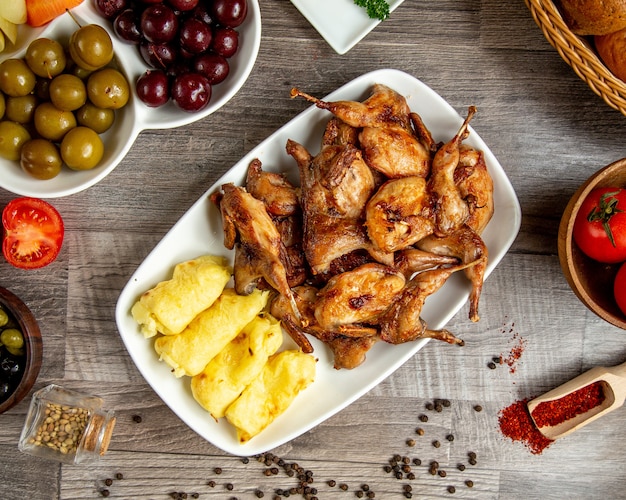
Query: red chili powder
point(559, 410)
point(516, 424)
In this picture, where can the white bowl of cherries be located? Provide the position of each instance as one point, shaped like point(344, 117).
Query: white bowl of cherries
point(183, 60)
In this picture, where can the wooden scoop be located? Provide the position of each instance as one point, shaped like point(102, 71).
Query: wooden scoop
point(613, 382)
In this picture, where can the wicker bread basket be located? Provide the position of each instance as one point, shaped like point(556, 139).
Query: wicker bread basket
point(579, 54)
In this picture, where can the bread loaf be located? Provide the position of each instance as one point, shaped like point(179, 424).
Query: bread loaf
point(593, 17)
point(612, 50)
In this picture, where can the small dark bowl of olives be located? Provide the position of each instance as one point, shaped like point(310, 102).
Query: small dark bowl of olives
point(21, 350)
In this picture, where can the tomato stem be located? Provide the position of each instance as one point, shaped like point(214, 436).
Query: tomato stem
point(606, 208)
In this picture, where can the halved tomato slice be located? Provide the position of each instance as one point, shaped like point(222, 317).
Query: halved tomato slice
point(33, 233)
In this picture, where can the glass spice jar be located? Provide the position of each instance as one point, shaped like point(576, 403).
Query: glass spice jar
point(67, 426)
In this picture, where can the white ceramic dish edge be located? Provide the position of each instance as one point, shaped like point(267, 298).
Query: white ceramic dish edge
point(199, 231)
point(329, 17)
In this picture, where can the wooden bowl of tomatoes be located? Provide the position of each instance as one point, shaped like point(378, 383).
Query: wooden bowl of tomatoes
point(21, 350)
point(592, 243)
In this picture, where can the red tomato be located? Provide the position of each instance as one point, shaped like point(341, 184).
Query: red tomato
point(600, 226)
point(619, 288)
point(33, 233)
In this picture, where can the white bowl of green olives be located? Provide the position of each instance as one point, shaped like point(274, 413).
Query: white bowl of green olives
point(33, 176)
point(21, 350)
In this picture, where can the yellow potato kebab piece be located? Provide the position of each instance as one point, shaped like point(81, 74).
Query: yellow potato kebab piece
point(189, 352)
point(270, 394)
point(171, 305)
point(238, 364)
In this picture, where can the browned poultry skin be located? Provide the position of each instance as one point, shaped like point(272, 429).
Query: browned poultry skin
point(357, 296)
point(274, 190)
point(338, 133)
point(260, 252)
point(384, 108)
point(476, 187)
point(412, 260)
point(387, 140)
point(334, 188)
point(451, 210)
point(468, 246)
point(350, 352)
point(399, 214)
point(401, 322)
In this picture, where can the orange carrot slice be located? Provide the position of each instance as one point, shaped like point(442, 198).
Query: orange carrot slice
point(40, 12)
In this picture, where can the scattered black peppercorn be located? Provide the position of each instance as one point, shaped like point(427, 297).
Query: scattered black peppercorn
point(436, 444)
point(450, 437)
point(259, 494)
point(119, 476)
point(491, 365)
point(137, 419)
point(359, 494)
point(211, 483)
point(410, 476)
point(423, 418)
point(105, 493)
point(461, 467)
point(438, 407)
point(469, 483)
point(229, 486)
point(217, 470)
point(108, 481)
point(478, 408)
point(451, 489)
point(343, 486)
point(419, 431)
point(417, 461)
point(446, 403)
point(332, 483)
point(472, 461)
point(430, 406)
point(442, 473)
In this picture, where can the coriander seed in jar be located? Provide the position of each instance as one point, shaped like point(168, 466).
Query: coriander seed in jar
point(67, 426)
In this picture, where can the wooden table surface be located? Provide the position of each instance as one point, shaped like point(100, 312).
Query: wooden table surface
point(548, 130)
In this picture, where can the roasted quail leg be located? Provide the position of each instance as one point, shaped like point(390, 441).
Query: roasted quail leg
point(451, 210)
point(468, 246)
point(260, 252)
point(401, 322)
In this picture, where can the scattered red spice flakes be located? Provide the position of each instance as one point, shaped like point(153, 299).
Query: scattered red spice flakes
point(516, 351)
point(516, 424)
point(575, 403)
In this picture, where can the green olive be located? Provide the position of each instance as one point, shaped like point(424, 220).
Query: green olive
point(16, 78)
point(46, 57)
point(91, 47)
point(53, 123)
point(12, 337)
point(108, 88)
point(67, 92)
point(12, 137)
point(41, 159)
point(4, 317)
point(21, 109)
point(3, 105)
point(97, 119)
point(82, 148)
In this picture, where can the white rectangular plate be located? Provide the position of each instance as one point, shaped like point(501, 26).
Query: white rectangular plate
point(340, 22)
point(199, 232)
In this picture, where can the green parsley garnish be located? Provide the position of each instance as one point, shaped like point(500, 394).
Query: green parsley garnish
point(376, 9)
